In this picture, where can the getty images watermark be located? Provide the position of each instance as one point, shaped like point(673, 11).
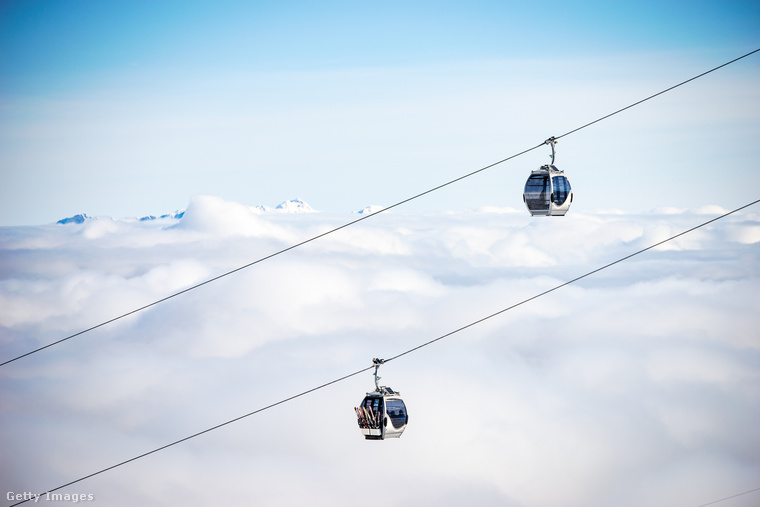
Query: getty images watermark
point(50, 497)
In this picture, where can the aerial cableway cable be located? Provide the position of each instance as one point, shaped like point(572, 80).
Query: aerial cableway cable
point(729, 497)
point(418, 347)
point(353, 222)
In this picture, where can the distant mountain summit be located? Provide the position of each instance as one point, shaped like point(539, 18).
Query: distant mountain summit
point(76, 219)
point(295, 206)
point(369, 210)
point(261, 208)
point(291, 206)
point(177, 214)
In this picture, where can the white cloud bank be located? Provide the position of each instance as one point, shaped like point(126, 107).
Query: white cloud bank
point(637, 386)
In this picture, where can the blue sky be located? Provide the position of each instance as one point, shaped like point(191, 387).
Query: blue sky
point(130, 108)
point(54, 39)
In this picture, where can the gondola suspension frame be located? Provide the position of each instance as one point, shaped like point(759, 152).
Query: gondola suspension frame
point(378, 407)
point(540, 196)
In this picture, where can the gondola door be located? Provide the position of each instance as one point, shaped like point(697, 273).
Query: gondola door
point(372, 417)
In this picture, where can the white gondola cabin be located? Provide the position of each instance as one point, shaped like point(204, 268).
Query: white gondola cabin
point(382, 413)
point(547, 191)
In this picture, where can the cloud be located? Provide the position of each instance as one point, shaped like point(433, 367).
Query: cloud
point(213, 216)
point(636, 386)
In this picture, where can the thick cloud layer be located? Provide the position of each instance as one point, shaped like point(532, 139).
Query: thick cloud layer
point(639, 385)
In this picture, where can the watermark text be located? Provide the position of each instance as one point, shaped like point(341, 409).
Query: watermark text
point(50, 497)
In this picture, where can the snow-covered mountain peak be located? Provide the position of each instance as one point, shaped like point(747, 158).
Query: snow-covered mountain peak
point(291, 206)
point(260, 209)
point(369, 210)
point(76, 219)
point(176, 215)
point(295, 206)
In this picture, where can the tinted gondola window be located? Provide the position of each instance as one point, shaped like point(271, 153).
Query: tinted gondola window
point(537, 192)
point(561, 190)
point(397, 412)
point(537, 184)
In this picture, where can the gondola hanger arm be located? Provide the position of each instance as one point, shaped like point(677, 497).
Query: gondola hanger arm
point(552, 141)
point(377, 362)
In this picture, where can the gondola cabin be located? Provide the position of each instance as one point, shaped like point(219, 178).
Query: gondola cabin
point(382, 414)
point(547, 192)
